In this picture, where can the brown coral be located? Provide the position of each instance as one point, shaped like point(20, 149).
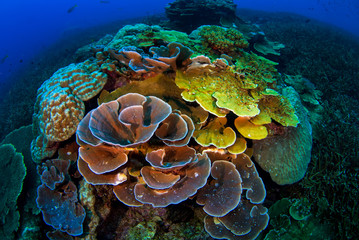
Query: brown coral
point(192, 176)
point(223, 193)
point(244, 222)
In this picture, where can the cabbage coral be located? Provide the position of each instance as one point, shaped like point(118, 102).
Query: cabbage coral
point(167, 127)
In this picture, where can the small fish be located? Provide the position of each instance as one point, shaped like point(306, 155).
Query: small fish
point(71, 9)
point(3, 59)
point(104, 1)
point(307, 21)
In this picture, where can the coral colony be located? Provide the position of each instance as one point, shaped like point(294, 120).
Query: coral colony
point(157, 118)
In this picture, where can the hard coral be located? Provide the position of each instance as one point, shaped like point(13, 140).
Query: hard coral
point(60, 101)
point(215, 133)
point(286, 156)
point(171, 57)
point(233, 215)
point(222, 40)
point(13, 171)
point(223, 193)
point(142, 35)
point(216, 89)
point(129, 120)
point(244, 222)
point(140, 145)
point(57, 198)
point(109, 133)
point(187, 179)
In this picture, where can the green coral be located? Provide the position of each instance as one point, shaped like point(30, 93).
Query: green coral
point(285, 226)
point(143, 230)
point(236, 88)
point(13, 171)
point(279, 109)
point(300, 209)
point(222, 40)
point(142, 35)
point(156, 37)
point(21, 140)
point(257, 69)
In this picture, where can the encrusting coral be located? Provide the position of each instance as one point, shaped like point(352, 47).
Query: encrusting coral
point(168, 128)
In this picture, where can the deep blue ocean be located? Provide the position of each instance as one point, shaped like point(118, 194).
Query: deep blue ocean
point(130, 120)
point(30, 26)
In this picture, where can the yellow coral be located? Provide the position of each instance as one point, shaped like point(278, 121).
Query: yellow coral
point(279, 109)
point(217, 92)
point(215, 133)
point(250, 130)
point(239, 146)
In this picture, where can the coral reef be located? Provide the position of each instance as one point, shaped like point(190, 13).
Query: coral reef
point(188, 15)
point(60, 106)
point(57, 198)
point(220, 40)
point(286, 154)
point(13, 171)
point(168, 130)
point(287, 223)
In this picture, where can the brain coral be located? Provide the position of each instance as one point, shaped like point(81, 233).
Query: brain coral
point(60, 100)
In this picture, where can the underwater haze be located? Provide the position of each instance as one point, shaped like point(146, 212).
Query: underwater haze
point(179, 119)
point(30, 26)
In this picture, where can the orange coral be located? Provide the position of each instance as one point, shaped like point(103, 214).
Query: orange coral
point(59, 107)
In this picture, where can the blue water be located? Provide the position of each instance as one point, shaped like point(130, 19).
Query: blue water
point(28, 27)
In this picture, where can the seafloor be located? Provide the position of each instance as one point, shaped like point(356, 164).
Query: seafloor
point(326, 56)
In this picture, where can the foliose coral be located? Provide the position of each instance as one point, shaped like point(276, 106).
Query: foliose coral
point(57, 198)
point(168, 174)
point(138, 142)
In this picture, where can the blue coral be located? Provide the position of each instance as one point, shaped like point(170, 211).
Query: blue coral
point(59, 205)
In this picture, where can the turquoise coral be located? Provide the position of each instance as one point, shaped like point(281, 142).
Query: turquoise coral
point(13, 171)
